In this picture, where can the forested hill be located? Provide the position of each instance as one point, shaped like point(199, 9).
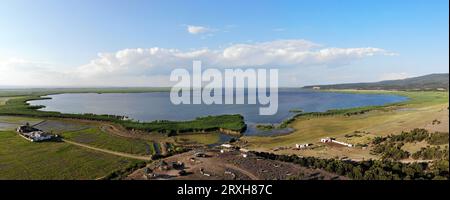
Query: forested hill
point(427, 82)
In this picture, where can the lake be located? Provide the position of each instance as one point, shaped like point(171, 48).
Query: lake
point(157, 105)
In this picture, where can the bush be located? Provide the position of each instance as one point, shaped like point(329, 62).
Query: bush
point(430, 153)
point(366, 170)
point(438, 138)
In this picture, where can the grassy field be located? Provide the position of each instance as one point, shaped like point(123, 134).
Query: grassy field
point(20, 159)
point(19, 120)
point(98, 138)
point(11, 123)
point(203, 139)
point(418, 112)
point(3, 100)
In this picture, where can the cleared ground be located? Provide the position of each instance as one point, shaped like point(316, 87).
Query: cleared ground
point(228, 166)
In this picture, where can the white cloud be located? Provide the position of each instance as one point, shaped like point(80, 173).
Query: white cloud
point(198, 29)
point(151, 66)
point(279, 53)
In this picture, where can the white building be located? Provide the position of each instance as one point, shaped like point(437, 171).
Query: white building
point(244, 150)
point(301, 146)
point(325, 140)
point(33, 134)
point(342, 143)
point(37, 136)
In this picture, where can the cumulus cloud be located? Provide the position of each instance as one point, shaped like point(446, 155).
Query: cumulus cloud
point(151, 66)
point(198, 29)
point(280, 54)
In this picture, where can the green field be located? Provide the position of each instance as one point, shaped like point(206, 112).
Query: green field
point(203, 139)
point(21, 159)
point(97, 138)
point(3, 100)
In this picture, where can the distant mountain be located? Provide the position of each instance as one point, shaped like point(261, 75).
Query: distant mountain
point(427, 82)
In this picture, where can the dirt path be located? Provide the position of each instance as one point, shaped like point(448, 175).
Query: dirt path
point(247, 173)
point(116, 131)
point(126, 155)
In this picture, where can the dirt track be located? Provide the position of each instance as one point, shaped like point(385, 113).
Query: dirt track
point(126, 155)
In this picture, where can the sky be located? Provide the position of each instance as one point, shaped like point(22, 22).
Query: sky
point(73, 43)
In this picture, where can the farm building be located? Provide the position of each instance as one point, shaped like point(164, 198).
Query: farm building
point(244, 150)
point(325, 140)
point(33, 134)
point(25, 129)
point(301, 146)
point(342, 143)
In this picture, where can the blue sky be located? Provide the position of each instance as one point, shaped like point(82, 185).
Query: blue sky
point(63, 38)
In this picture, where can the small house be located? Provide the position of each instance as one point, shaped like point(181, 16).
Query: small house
point(244, 150)
point(301, 146)
point(326, 140)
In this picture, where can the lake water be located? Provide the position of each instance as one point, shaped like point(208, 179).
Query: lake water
point(157, 105)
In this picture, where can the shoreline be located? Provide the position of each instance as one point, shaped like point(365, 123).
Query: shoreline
point(277, 127)
point(419, 111)
point(294, 114)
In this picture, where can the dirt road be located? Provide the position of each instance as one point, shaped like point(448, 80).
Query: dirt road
point(125, 155)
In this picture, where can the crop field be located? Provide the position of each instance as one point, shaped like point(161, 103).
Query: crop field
point(20, 159)
point(60, 126)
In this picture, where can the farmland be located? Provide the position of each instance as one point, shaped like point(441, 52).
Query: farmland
point(97, 138)
point(20, 159)
point(96, 146)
